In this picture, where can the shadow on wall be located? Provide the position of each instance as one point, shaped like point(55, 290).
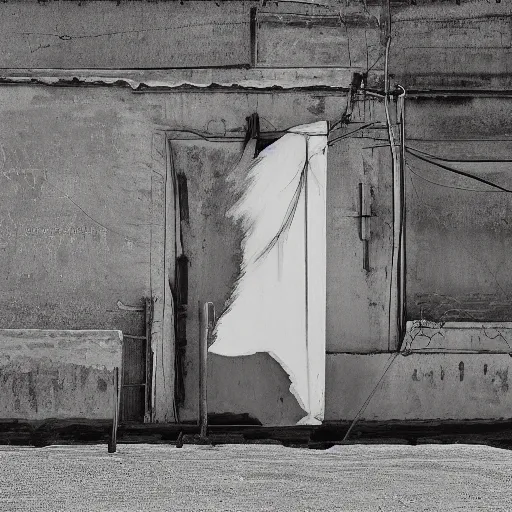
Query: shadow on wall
point(255, 385)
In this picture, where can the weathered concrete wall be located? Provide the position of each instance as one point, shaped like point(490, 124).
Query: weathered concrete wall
point(458, 233)
point(58, 374)
point(76, 172)
point(82, 169)
point(124, 34)
point(94, 157)
point(441, 45)
point(357, 298)
point(192, 34)
point(254, 384)
point(419, 386)
point(344, 38)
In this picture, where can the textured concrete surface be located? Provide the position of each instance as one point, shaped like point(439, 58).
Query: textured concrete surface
point(187, 34)
point(58, 374)
point(457, 232)
point(255, 478)
point(82, 174)
point(357, 312)
point(444, 45)
point(418, 386)
point(128, 35)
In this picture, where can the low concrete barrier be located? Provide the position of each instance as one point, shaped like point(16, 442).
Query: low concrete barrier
point(60, 374)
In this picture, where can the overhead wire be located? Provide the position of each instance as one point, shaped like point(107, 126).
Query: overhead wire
point(462, 160)
point(345, 135)
point(456, 171)
point(410, 167)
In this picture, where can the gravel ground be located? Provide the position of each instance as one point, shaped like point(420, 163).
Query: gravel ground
point(255, 478)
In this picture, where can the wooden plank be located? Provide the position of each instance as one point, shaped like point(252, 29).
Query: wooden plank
point(162, 255)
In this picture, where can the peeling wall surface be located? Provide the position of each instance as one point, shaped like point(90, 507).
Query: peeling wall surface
point(58, 374)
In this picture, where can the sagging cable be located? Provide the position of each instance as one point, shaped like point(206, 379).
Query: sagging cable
point(419, 156)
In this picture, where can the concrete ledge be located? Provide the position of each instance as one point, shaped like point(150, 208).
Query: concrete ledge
point(256, 78)
point(58, 374)
point(462, 337)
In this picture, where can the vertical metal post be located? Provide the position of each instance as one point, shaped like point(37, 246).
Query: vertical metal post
point(112, 445)
point(402, 241)
point(206, 324)
point(365, 214)
point(148, 402)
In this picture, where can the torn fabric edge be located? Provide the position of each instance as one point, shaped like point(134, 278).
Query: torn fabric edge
point(278, 303)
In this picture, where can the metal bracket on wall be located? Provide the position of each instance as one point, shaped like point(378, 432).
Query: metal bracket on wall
point(365, 214)
point(125, 307)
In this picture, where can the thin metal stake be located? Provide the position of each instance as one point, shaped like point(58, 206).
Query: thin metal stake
point(206, 323)
point(112, 445)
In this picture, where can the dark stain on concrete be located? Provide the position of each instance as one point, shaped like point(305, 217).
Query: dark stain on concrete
point(58, 385)
point(84, 375)
point(461, 371)
point(502, 375)
point(415, 375)
point(430, 376)
point(102, 385)
point(32, 391)
point(231, 418)
point(319, 107)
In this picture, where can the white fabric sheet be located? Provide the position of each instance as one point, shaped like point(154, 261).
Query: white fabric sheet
point(278, 304)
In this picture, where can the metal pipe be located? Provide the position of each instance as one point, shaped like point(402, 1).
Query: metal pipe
point(206, 325)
